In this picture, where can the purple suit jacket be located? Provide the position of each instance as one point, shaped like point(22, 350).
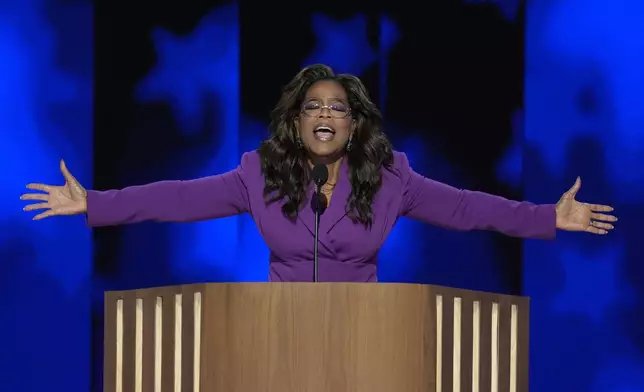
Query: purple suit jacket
point(348, 252)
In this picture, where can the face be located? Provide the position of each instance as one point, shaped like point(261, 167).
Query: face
point(325, 124)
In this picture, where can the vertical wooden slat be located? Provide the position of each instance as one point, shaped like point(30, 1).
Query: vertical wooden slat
point(494, 341)
point(439, 342)
point(167, 360)
point(158, 343)
point(476, 346)
point(457, 338)
point(118, 382)
point(109, 345)
point(148, 342)
point(129, 339)
point(187, 346)
point(504, 345)
point(514, 334)
point(448, 340)
point(198, 320)
point(178, 328)
point(466, 343)
point(486, 349)
point(523, 339)
point(138, 358)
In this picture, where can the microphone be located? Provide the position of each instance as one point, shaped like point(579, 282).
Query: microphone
point(320, 174)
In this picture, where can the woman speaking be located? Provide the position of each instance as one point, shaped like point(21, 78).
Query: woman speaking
point(322, 119)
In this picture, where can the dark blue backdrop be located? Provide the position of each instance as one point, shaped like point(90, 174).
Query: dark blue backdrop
point(46, 94)
point(584, 92)
point(184, 94)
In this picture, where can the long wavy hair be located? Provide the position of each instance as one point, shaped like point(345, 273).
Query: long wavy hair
point(285, 164)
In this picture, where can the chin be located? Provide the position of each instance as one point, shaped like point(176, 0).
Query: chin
point(326, 151)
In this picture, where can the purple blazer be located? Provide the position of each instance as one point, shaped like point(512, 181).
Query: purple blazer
point(348, 252)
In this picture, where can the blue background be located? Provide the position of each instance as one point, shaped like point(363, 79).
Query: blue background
point(46, 100)
point(501, 96)
point(584, 83)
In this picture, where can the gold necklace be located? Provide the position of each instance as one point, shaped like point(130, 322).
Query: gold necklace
point(328, 189)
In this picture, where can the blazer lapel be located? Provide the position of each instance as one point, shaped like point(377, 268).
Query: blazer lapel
point(337, 208)
point(306, 214)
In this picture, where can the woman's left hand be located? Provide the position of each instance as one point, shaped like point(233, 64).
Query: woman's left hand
point(575, 216)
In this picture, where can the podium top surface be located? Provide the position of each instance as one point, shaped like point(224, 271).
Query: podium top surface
point(319, 288)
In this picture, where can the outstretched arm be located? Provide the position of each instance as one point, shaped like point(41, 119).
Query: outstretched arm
point(448, 207)
point(172, 201)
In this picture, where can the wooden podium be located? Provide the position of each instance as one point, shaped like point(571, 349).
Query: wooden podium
point(314, 337)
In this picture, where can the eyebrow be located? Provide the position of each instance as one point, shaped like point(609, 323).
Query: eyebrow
point(309, 99)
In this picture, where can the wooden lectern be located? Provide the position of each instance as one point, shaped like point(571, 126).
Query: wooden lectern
point(314, 337)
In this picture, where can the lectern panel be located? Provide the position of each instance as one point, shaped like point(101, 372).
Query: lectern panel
point(153, 340)
point(322, 337)
point(481, 342)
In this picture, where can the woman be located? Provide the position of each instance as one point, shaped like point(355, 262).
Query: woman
point(328, 119)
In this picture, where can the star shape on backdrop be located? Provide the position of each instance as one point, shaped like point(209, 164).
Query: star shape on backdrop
point(341, 44)
point(620, 374)
point(40, 94)
point(610, 60)
point(509, 8)
point(191, 67)
point(510, 166)
point(389, 37)
point(389, 34)
point(592, 283)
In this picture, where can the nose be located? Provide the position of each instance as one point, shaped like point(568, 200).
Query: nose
point(325, 112)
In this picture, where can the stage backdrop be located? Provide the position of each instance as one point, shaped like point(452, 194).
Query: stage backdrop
point(184, 88)
point(584, 117)
point(183, 94)
point(45, 267)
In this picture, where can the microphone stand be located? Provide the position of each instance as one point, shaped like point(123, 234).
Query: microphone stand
point(320, 174)
point(316, 233)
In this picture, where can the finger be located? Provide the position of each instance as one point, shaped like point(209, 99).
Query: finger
point(602, 225)
point(596, 230)
point(66, 173)
point(603, 217)
point(44, 215)
point(575, 187)
point(599, 208)
point(39, 206)
point(40, 187)
point(35, 196)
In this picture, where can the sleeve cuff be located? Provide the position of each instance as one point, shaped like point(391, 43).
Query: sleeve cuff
point(94, 215)
point(546, 221)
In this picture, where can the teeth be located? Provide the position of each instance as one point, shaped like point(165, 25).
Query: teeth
point(323, 128)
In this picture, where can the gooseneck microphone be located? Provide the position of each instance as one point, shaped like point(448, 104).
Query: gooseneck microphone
point(320, 174)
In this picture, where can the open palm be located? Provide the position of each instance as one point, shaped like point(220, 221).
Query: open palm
point(68, 199)
point(575, 216)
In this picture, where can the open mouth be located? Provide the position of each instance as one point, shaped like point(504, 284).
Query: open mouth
point(324, 133)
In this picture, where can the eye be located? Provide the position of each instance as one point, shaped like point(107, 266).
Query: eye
point(339, 108)
point(311, 105)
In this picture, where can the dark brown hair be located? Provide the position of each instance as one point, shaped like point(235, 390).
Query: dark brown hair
point(285, 165)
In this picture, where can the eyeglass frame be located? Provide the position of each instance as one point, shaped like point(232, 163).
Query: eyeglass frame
point(328, 107)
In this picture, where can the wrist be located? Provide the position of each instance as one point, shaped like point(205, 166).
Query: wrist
point(84, 203)
point(558, 220)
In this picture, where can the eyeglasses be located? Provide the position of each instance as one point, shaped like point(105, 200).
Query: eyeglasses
point(314, 109)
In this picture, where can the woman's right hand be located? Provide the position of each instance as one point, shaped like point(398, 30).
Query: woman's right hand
point(69, 199)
